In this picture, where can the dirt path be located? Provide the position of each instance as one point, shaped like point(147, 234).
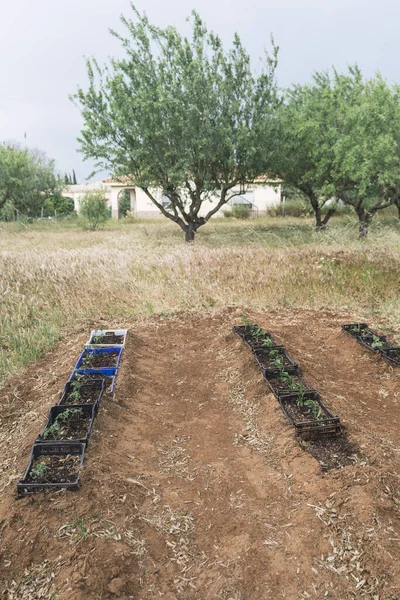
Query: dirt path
point(194, 486)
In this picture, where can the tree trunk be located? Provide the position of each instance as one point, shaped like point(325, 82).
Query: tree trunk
point(317, 211)
point(364, 218)
point(190, 230)
point(320, 223)
point(397, 203)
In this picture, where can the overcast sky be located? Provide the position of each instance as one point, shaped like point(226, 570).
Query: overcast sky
point(43, 42)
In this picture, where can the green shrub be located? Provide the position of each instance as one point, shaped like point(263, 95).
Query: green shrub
point(291, 208)
point(241, 211)
point(93, 207)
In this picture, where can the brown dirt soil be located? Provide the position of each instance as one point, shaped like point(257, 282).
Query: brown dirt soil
point(194, 486)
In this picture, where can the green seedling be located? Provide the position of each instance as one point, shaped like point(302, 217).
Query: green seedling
point(86, 361)
point(57, 428)
point(39, 471)
point(312, 405)
point(356, 329)
point(76, 390)
point(277, 362)
point(376, 342)
point(256, 332)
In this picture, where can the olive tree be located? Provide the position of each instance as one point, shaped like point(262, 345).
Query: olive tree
point(181, 115)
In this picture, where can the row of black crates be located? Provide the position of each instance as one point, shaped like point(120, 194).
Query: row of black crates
point(373, 341)
point(82, 393)
point(300, 403)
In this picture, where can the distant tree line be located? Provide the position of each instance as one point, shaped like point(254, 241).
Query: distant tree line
point(29, 185)
point(195, 120)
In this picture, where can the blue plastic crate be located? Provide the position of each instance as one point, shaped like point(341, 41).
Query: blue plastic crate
point(107, 372)
point(88, 351)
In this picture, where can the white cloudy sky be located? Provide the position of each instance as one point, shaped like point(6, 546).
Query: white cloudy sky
point(43, 42)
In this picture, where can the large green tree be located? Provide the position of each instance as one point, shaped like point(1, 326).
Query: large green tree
point(340, 139)
point(27, 180)
point(181, 115)
point(366, 165)
point(307, 136)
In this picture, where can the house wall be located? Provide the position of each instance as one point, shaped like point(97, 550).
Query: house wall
point(76, 192)
point(262, 195)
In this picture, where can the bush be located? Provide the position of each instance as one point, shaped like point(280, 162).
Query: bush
point(240, 211)
point(291, 208)
point(93, 207)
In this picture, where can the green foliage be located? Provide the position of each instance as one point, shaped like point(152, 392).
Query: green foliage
point(93, 207)
point(57, 428)
point(27, 181)
point(376, 342)
point(76, 390)
point(290, 208)
point(181, 115)
point(340, 139)
point(241, 211)
point(39, 471)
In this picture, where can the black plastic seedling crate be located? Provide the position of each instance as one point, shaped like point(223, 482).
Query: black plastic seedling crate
point(325, 426)
point(93, 391)
point(244, 332)
point(392, 354)
point(272, 375)
point(261, 355)
point(349, 327)
point(67, 448)
point(87, 410)
point(366, 336)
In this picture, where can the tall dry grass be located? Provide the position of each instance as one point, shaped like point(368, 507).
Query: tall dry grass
point(54, 281)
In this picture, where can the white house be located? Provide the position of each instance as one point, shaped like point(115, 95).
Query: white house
point(257, 196)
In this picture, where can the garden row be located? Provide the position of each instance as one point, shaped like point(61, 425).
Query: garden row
point(372, 340)
point(59, 451)
point(300, 403)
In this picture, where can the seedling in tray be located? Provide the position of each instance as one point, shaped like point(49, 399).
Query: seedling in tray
point(392, 354)
point(91, 376)
point(366, 336)
point(283, 383)
point(309, 415)
point(72, 423)
point(99, 358)
point(253, 335)
point(274, 358)
point(78, 392)
point(52, 467)
point(107, 337)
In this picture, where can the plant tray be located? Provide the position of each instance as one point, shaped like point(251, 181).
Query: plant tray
point(68, 449)
point(92, 375)
point(112, 355)
point(277, 386)
point(264, 361)
point(327, 425)
point(109, 338)
point(392, 355)
point(366, 336)
point(88, 414)
point(244, 332)
point(89, 393)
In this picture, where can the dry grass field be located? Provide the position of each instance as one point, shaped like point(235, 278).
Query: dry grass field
point(194, 486)
point(57, 279)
